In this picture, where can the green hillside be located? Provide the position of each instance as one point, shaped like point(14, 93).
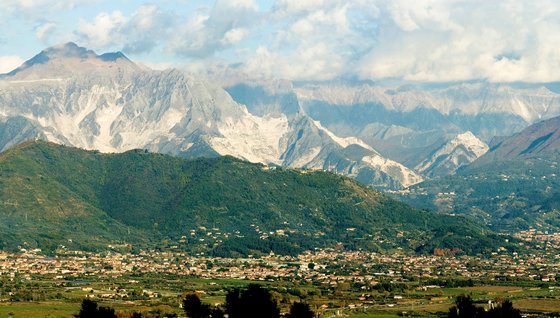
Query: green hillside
point(50, 194)
point(509, 195)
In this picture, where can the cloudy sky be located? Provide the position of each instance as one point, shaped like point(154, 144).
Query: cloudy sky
point(414, 40)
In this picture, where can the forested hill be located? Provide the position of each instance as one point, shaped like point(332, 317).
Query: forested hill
point(52, 195)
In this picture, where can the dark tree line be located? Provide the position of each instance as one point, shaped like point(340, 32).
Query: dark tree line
point(254, 301)
point(465, 308)
point(251, 302)
point(91, 310)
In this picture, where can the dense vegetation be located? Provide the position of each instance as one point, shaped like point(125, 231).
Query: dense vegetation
point(507, 194)
point(52, 195)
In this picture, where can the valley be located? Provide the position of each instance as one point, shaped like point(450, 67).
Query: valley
point(134, 187)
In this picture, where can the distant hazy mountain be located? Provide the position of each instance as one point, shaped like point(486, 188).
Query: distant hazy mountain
point(515, 185)
point(410, 123)
point(53, 195)
point(457, 104)
point(70, 95)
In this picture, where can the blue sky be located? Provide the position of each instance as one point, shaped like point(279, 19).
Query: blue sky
point(425, 41)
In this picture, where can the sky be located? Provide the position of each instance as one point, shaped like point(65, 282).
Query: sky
point(300, 40)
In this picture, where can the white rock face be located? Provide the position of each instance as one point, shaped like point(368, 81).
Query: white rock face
point(70, 95)
point(407, 176)
point(458, 152)
point(256, 139)
point(343, 142)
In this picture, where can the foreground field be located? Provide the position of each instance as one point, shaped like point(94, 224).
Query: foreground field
point(538, 305)
point(333, 283)
point(164, 295)
point(39, 309)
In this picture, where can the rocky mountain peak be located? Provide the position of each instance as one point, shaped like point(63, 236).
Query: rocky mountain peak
point(69, 58)
point(66, 50)
point(460, 151)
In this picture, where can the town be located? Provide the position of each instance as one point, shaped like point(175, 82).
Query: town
point(332, 280)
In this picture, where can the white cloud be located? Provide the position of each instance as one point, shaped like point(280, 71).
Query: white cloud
point(198, 35)
point(428, 40)
point(316, 40)
point(290, 8)
point(224, 25)
point(432, 40)
point(237, 4)
point(233, 36)
point(9, 63)
point(138, 33)
point(44, 31)
point(104, 30)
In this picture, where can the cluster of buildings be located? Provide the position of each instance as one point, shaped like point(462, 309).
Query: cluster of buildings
point(326, 266)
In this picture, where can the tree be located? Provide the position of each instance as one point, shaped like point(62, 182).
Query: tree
point(300, 310)
point(105, 312)
point(217, 312)
point(465, 308)
point(89, 309)
point(194, 308)
point(233, 303)
point(252, 302)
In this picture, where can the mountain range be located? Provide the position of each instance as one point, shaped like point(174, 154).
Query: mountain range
point(385, 135)
point(412, 122)
point(70, 95)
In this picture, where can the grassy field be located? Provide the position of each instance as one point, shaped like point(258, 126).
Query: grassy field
point(495, 289)
point(38, 310)
point(546, 305)
point(381, 304)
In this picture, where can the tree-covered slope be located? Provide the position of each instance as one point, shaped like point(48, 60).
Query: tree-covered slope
point(50, 194)
point(49, 197)
point(507, 195)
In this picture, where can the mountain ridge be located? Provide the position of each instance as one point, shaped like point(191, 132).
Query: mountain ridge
point(538, 139)
point(385, 136)
point(69, 59)
point(95, 199)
